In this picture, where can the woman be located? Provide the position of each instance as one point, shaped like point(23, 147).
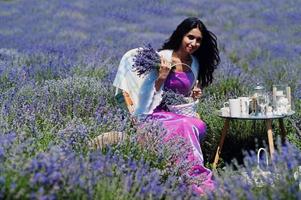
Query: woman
point(188, 60)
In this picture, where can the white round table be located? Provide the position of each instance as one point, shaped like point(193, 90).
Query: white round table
point(267, 118)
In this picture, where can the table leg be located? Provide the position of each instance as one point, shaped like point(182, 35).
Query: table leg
point(270, 137)
point(221, 142)
point(282, 130)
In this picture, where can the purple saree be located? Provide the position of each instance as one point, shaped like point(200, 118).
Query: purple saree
point(191, 129)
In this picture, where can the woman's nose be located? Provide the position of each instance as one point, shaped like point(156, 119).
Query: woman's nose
point(193, 42)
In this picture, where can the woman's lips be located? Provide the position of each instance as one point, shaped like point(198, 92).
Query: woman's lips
point(189, 49)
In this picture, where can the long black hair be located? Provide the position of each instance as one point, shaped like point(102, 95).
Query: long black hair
point(207, 54)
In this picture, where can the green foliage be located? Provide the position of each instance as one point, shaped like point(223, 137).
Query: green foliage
point(231, 87)
point(131, 148)
point(293, 125)
point(98, 73)
point(234, 57)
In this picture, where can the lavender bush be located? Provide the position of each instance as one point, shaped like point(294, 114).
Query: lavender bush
point(60, 173)
point(262, 52)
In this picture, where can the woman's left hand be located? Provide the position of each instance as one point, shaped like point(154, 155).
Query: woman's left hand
point(196, 92)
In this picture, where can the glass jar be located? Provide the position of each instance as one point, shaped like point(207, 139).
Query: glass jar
point(259, 90)
point(259, 100)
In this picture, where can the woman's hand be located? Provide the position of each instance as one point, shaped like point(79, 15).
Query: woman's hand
point(196, 92)
point(164, 70)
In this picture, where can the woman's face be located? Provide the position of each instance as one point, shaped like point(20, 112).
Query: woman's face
point(191, 41)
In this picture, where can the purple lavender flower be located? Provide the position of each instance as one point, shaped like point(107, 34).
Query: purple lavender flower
point(146, 60)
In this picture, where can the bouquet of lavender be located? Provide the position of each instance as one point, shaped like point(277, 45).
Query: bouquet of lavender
point(145, 60)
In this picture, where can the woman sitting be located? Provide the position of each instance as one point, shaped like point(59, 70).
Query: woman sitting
point(188, 60)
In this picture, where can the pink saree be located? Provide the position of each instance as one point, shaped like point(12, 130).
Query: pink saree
point(191, 129)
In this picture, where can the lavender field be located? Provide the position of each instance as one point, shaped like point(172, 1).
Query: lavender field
point(58, 60)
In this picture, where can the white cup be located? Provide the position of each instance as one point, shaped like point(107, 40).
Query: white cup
point(225, 111)
point(235, 108)
point(244, 103)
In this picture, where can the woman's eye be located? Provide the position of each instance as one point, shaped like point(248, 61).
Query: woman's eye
point(190, 37)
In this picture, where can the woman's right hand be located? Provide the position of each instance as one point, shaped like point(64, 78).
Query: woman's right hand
point(164, 70)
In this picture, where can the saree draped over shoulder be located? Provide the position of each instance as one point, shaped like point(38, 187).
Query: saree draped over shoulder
point(147, 101)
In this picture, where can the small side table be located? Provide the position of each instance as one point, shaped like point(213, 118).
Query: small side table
point(268, 121)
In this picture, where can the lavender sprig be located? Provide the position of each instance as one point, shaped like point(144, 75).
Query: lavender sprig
point(146, 60)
